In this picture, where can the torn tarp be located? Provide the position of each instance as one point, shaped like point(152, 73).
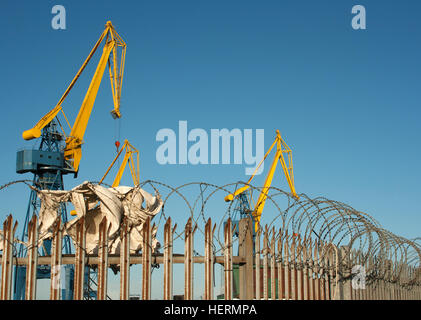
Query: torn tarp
point(94, 202)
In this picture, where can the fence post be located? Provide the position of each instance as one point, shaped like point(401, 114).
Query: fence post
point(80, 259)
point(345, 289)
point(246, 251)
point(265, 264)
point(168, 260)
point(306, 289)
point(363, 291)
point(56, 258)
point(209, 260)
point(6, 261)
point(299, 270)
point(333, 286)
point(369, 294)
point(257, 270)
point(272, 267)
point(322, 270)
point(146, 259)
point(104, 229)
point(228, 260)
point(316, 264)
point(287, 274)
point(293, 260)
point(31, 267)
point(281, 281)
point(188, 259)
point(310, 270)
point(124, 260)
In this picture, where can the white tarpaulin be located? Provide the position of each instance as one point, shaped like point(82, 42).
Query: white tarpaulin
point(95, 202)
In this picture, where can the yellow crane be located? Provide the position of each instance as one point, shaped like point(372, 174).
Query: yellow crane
point(60, 154)
point(131, 157)
point(281, 148)
point(113, 48)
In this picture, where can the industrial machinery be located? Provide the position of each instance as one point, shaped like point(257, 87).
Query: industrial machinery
point(243, 202)
point(59, 154)
point(131, 157)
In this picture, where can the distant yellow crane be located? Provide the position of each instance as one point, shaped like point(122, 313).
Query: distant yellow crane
point(281, 148)
point(131, 157)
point(74, 141)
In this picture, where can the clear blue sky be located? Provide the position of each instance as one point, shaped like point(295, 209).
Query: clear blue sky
point(346, 101)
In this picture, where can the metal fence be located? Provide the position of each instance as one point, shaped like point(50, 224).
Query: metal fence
point(283, 267)
point(315, 249)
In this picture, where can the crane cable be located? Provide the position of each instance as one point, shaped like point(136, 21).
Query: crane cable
point(117, 134)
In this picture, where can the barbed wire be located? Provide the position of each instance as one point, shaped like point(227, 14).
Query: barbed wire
point(312, 224)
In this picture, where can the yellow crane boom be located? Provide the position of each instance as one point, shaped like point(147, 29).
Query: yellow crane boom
point(74, 141)
point(281, 148)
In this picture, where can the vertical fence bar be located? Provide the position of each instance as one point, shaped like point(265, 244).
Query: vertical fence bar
point(209, 260)
point(310, 270)
point(245, 249)
point(31, 267)
point(322, 270)
point(265, 264)
point(56, 261)
point(188, 259)
point(272, 267)
point(375, 281)
point(103, 259)
point(392, 284)
point(124, 260)
point(6, 261)
point(287, 273)
point(168, 259)
point(370, 286)
point(346, 293)
point(305, 271)
point(330, 276)
point(257, 270)
point(80, 259)
point(228, 260)
point(281, 281)
point(293, 270)
point(363, 291)
point(299, 270)
point(146, 259)
point(316, 264)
